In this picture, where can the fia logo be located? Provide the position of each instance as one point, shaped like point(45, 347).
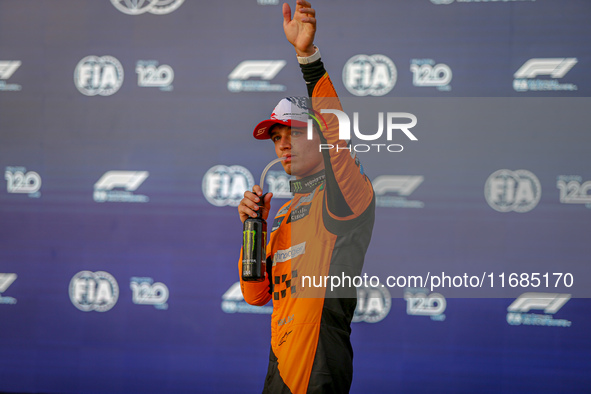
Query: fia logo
point(150, 74)
point(373, 304)
point(94, 291)
point(224, 185)
point(96, 75)
point(373, 75)
point(18, 180)
point(146, 292)
point(507, 191)
point(418, 303)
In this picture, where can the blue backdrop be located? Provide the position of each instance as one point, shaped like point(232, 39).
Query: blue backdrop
point(126, 144)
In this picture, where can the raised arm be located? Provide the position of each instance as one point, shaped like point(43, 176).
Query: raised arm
point(349, 191)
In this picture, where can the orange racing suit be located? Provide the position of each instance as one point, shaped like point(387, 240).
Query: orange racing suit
point(323, 231)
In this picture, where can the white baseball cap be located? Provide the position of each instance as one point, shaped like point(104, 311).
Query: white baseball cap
point(291, 111)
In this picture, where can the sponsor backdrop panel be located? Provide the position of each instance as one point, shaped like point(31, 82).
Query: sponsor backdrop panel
point(125, 146)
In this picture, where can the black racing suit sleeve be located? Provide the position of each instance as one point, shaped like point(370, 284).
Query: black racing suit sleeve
point(312, 74)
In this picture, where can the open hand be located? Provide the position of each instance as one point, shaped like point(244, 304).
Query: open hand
point(300, 30)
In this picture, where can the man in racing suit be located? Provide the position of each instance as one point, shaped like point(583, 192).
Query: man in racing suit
point(324, 231)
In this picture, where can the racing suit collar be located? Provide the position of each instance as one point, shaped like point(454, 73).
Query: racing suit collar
point(307, 184)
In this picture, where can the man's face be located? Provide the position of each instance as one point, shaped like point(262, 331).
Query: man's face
point(303, 155)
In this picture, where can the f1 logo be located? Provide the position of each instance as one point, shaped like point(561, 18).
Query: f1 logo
point(401, 184)
point(5, 281)
point(549, 302)
point(129, 180)
point(7, 68)
point(556, 68)
point(264, 69)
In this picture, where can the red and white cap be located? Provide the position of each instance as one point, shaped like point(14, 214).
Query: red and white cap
point(291, 111)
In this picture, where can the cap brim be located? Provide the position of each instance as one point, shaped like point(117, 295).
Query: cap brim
point(261, 131)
